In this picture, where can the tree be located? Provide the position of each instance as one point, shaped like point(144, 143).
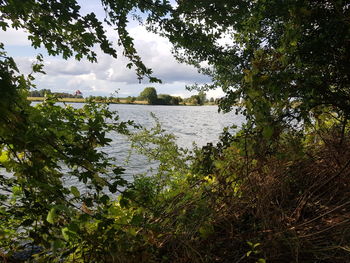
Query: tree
point(40, 93)
point(175, 100)
point(273, 61)
point(130, 99)
point(198, 99)
point(202, 98)
point(284, 60)
point(150, 95)
point(164, 99)
point(50, 22)
point(36, 141)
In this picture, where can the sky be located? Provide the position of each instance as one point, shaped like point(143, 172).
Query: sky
point(108, 74)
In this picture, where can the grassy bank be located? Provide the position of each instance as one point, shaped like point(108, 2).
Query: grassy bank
point(251, 198)
point(83, 100)
point(236, 202)
point(114, 101)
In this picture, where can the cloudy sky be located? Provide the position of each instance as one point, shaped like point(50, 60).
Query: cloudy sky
point(109, 74)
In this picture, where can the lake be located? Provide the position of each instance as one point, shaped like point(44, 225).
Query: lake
point(199, 124)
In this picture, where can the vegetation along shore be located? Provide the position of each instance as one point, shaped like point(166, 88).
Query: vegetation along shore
point(147, 96)
point(274, 190)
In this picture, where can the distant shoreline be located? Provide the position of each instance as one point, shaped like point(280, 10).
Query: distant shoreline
point(82, 100)
point(115, 101)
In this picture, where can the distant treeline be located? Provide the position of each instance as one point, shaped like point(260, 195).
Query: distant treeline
point(150, 95)
point(43, 92)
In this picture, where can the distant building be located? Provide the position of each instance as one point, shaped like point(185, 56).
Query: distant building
point(78, 93)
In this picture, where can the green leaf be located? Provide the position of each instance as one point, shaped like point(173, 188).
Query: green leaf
point(132, 231)
point(124, 202)
point(256, 245)
point(52, 215)
point(68, 233)
point(104, 199)
point(74, 190)
point(3, 156)
point(118, 170)
point(56, 245)
point(267, 132)
point(65, 233)
point(114, 211)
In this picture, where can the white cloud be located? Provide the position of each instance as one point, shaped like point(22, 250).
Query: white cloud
point(56, 66)
point(13, 37)
point(110, 74)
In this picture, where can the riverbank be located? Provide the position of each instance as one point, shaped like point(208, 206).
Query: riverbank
point(113, 101)
point(83, 100)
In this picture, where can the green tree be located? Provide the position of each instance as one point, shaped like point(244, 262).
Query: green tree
point(202, 97)
point(99, 98)
point(175, 100)
point(39, 93)
point(130, 99)
point(150, 95)
point(198, 99)
point(49, 23)
point(37, 142)
point(284, 58)
point(195, 99)
point(164, 99)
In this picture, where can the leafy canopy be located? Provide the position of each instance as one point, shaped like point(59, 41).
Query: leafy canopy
point(149, 94)
point(281, 59)
point(61, 29)
point(278, 59)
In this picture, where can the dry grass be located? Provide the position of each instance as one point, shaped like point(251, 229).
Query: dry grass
point(75, 100)
point(143, 102)
point(298, 209)
point(296, 206)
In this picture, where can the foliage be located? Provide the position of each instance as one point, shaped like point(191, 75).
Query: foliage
point(228, 204)
point(198, 99)
point(159, 146)
point(61, 29)
point(44, 92)
point(277, 190)
point(149, 94)
point(41, 147)
point(165, 99)
point(282, 59)
point(130, 99)
point(202, 97)
point(39, 93)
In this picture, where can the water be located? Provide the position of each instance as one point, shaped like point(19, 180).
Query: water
point(199, 124)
